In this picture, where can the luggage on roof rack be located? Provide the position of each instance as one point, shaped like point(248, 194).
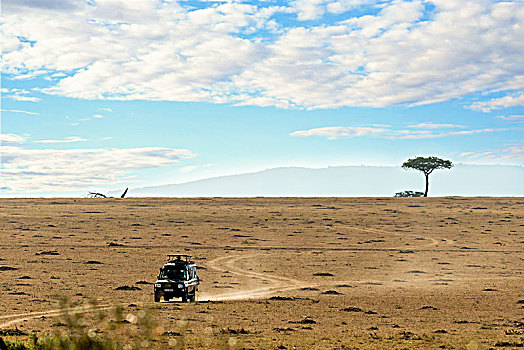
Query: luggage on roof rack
point(186, 257)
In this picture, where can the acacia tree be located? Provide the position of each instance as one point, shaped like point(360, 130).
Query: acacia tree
point(427, 165)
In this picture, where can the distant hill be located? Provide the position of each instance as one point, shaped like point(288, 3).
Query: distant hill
point(349, 181)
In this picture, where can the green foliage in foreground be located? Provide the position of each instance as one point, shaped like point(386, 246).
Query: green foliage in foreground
point(82, 342)
point(76, 335)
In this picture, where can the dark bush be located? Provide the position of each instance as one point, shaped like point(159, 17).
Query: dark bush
point(409, 194)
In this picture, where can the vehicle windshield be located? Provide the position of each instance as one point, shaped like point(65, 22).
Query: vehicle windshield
point(173, 273)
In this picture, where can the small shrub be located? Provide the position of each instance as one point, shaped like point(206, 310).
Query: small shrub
point(75, 335)
point(409, 194)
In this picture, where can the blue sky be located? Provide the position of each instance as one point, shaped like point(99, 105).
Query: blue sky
point(106, 94)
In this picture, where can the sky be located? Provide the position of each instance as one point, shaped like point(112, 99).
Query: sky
point(99, 95)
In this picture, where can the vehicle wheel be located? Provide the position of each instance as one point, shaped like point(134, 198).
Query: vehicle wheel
point(184, 298)
point(157, 298)
point(192, 297)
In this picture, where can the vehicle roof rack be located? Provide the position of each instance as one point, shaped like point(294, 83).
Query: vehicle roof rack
point(186, 257)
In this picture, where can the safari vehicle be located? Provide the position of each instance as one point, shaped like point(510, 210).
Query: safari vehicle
point(177, 279)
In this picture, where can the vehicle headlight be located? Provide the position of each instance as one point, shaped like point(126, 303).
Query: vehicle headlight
point(158, 285)
point(180, 286)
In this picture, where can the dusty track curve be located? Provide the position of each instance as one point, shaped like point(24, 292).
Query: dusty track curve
point(433, 242)
point(275, 284)
point(17, 318)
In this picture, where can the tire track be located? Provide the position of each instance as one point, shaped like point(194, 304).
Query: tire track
point(433, 242)
point(226, 264)
point(277, 284)
point(17, 318)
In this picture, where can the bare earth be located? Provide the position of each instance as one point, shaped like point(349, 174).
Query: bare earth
point(315, 273)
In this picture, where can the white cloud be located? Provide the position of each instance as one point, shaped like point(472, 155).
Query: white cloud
point(313, 9)
point(19, 95)
point(409, 134)
point(65, 140)
point(391, 58)
point(512, 117)
point(11, 139)
point(19, 111)
point(62, 5)
point(466, 154)
point(239, 53)
point(335, 132)
point(30, 170)
point(30, 74)
point(498, 103)
point(511, 154)
point(189, 168)
point(85, 119)
point(25, 98)
point(430, 125)
point(308, 9)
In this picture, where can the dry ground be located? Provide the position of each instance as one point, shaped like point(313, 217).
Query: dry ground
point(369, 273)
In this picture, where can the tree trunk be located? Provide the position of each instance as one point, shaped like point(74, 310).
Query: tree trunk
point(427, 186)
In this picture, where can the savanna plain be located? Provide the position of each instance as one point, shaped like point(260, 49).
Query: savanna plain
point(276, 273)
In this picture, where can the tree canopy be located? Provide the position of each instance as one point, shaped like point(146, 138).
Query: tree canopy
point(427, 165)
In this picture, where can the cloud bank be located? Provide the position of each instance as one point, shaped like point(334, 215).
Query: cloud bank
point(52, 170)
point(306, 54)
point(419, 131)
